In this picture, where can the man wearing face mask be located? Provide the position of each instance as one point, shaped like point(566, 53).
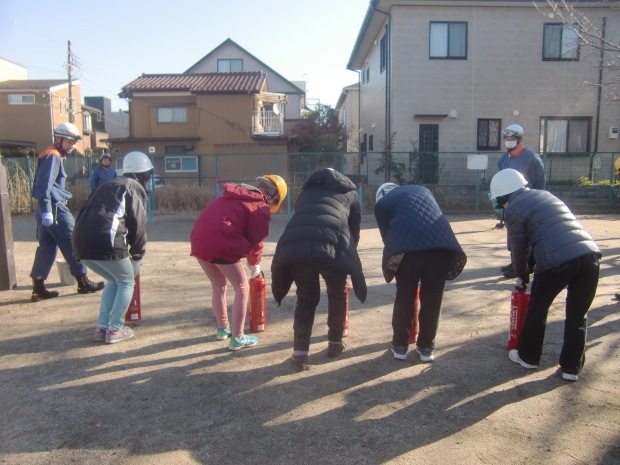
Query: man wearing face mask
point(528, 163)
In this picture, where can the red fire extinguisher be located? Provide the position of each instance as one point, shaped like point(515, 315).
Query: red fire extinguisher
point(134, 312)
point(518, 307)
point(258, 304)
point(415, 324)
point(347, 293)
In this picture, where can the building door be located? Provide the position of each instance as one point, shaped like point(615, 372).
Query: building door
point(429, 145)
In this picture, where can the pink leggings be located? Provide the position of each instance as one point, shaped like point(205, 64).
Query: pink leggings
point(218, 274)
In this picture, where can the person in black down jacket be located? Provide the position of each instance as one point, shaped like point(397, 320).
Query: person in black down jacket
point(420, 247)
point(320, 239)
point(110, 239)
point(566, 256)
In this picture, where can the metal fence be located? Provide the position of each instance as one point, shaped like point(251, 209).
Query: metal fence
point(586, 181)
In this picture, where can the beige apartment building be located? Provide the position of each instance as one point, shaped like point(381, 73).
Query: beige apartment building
point(448, 76)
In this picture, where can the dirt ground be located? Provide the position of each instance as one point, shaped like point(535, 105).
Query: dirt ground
point(176, 395)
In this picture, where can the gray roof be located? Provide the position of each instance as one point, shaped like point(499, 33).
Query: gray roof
point(32, 84)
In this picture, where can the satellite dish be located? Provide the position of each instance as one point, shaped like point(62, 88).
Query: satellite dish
point(276, 108)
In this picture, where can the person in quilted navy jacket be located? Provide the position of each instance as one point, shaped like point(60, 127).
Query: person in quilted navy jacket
point(320, 240)
point(566, 256)
point(420, 248)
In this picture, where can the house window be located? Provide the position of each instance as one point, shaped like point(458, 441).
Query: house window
point(560, 42)
point(87, 123)
point(448, 40)
point(489, 134)
point(371, 142)
point(21, 99)
point(384, 52)
point(227, 66)
point(172, 115)
point(565, 134)
point(180, 164)
point(63, 106)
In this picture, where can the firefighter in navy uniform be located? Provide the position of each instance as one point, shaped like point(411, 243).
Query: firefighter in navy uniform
point(54, 220)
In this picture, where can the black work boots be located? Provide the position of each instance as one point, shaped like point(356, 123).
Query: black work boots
point(39, 292)
point(86, 286)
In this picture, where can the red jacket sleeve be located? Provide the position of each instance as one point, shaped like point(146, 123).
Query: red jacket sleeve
point(257, 231)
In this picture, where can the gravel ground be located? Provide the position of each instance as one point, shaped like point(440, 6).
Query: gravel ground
point(174, 394)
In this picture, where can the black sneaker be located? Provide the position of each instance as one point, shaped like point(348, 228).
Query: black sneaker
point(334, 349)
point(400, 352)
point(426, 354)
point(299, 363)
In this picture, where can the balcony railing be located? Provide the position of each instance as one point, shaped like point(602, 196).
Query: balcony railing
point(267, 123)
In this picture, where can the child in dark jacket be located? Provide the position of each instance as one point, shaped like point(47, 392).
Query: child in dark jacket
point(420, 248)
point(110, 239)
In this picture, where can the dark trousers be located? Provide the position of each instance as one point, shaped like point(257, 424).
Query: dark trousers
point(580, 277)
point(54, 237)
point(306, 279)
point(429, 269)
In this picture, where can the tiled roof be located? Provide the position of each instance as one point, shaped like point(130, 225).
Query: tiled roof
point(228, 83)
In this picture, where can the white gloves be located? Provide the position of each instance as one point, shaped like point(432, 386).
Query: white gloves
point(254, 271)
point(136, 267)
point(47, 219)
point(520, 284)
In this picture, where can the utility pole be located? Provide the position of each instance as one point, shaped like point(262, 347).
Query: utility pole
point(70, 76)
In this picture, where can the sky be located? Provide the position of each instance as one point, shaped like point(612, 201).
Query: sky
point(116, 41)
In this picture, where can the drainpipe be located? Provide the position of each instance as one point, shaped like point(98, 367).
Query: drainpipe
point(598, 97)
point(388, 67)
point(600, 83)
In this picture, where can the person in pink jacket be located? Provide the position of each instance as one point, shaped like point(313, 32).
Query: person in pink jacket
point(231, 227)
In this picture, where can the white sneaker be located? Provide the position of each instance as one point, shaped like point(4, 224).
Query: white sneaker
point(114, 336)
point(426, 354)
point(514, 356)
point(569, 377)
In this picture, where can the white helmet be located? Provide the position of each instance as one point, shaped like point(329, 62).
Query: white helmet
point(506, 182)
point(67, 131)
point(514, 130)
point(384, 189)
point(136, 162)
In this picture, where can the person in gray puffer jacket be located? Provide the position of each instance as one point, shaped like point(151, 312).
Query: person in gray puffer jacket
point(565, 256)
point(420, 247)
point(320, 240)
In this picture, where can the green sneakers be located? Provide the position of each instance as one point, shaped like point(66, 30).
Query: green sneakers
point(222, 334)
point(237, 343)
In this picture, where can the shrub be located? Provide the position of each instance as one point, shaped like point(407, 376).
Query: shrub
point(183, 198)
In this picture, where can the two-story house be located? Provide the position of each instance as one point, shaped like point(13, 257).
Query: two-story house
point(448, 76)
point(181, 116)
point(231, 57)
point(30, 109)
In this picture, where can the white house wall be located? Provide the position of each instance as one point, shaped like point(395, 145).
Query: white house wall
point(372, 104)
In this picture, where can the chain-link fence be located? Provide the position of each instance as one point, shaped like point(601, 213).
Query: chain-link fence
point(585, 181)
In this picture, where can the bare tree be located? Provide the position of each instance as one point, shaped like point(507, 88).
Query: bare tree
point(601, 52)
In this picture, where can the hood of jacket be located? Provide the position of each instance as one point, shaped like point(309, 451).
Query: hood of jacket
point(331, 179)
